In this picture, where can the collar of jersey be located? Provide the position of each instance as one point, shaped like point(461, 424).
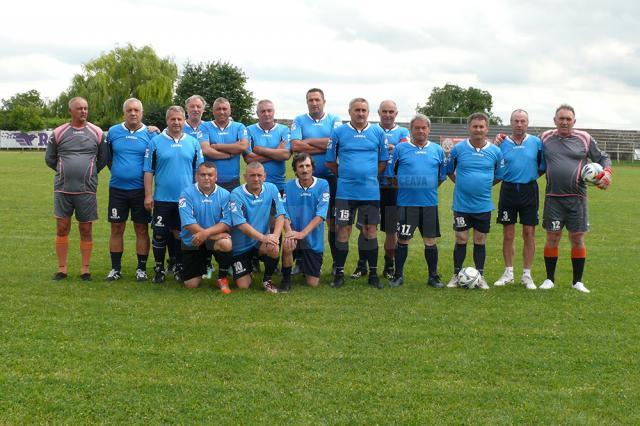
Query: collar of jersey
point(395, 126)
point(324, 115)
point(246, 191)
point(144, 127)
point(186, 123)
point(416, 146)
point(213, 123)
point(212, 192)
point(166, 135)
point(359, 131)
point(526, 135)
point(265, 130)
point(315, 180)
point(486, 145)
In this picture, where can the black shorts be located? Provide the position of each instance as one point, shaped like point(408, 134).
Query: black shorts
point(231, 185)
point(423, 218)
point(368, 212)
point(518, 199)
point(388, 208)
point(165, 215)
point(571, 212)
point(242, 262)
point(310, 262)
point(123, 200)
point(481, 222)
point(194, 260)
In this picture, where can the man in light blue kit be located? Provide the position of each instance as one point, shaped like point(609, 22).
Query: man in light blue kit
point(251, 206)
point(205, 221)
point(269, 143)
point(388, 111)
point(474, 165)
point(169, 166)
point(306, 202)
point(310, 133)
point(128, 142)
point(523, 164)
point(357, 153)
point(227, 141)
point(419, 167)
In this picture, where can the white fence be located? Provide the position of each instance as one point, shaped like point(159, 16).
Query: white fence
point(24, 140)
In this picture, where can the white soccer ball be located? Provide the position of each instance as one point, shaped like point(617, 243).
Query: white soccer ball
point(468, 277)
point(590, 171)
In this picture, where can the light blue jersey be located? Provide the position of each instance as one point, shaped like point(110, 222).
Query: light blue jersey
point(522, 162)
point(254, 210)
point(229, 169)
point(358, 154)
point(205, 210)
point(304, 204)
point(394, 137)
point(271, 139)
point(173, 162)
point(475, 169)
point(306, 127)
point(419, 172)
point(127, 156)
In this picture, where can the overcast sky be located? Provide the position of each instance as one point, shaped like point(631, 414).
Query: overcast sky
point(533, 55)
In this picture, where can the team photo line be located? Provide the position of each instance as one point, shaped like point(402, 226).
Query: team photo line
point(186, 182)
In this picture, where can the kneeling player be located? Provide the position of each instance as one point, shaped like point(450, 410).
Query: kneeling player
point(250, 207)
point(205, 220)
point(419, 167)
point(306, 203)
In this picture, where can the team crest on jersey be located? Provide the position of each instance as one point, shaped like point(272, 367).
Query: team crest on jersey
point(325, 197)
point(293, 125)
point(233, 207)
point(182, 202)
point(329, 144)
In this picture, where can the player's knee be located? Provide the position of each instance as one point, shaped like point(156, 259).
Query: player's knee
point(85, 231)
point(160, 237)
point(528, 232)
point(224, 245)
point(429, 242)
point(192, 283)
point(243, 282)
point(142, 230)
point(117, 229)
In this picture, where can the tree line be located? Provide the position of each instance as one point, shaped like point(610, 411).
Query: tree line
point(126, 72)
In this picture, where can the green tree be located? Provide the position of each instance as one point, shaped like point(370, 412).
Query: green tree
point(125, 72)
point(215, 79)
point(454, 101)
point(23, 111)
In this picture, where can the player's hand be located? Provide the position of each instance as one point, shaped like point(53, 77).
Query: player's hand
point(198, 238)
point(295, 235)
point(603, 179)
point(220, 236)
point(271, 239)
point(391, 148)
point(148, 203)
point(153, 129)
point(499, 138)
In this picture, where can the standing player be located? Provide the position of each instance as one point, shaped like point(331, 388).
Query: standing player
point(77, 153)
point(170, 164)
point(250, 206)
point(419, 166)
point(269, 143)
point(474, 165)
point(205, 222)
point(194, 126)
point(128, 142)
point(566, 151)
point(357, 153)
point(227, 140)
point(388, 111)
point(523, 162)
point(306, 202)
point(310, 133)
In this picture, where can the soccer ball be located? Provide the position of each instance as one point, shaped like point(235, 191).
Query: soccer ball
point(590, 171)
point(468, 277)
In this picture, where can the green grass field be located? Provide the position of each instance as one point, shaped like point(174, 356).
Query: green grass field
point(125, 352)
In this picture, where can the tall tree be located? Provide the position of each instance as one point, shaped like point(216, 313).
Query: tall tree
point(23, 111)
point(454, 101)
point(217, 79)
point(125, 72)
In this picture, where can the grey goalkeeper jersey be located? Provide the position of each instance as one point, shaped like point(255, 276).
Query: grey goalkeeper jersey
point(565, 157)
point(77, 155)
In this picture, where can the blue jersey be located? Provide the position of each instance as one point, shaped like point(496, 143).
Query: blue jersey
point(522, 162)
point(197, 132)
point(229, 169)
point(419, 172)
point(306, 127)
point(271, 139)
point(127, 156)
point(205, 210)
point(254, 210)
point(173, 162)
point(394, 137)
point(475, 169)
point(304, 204)
point(358, 153)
